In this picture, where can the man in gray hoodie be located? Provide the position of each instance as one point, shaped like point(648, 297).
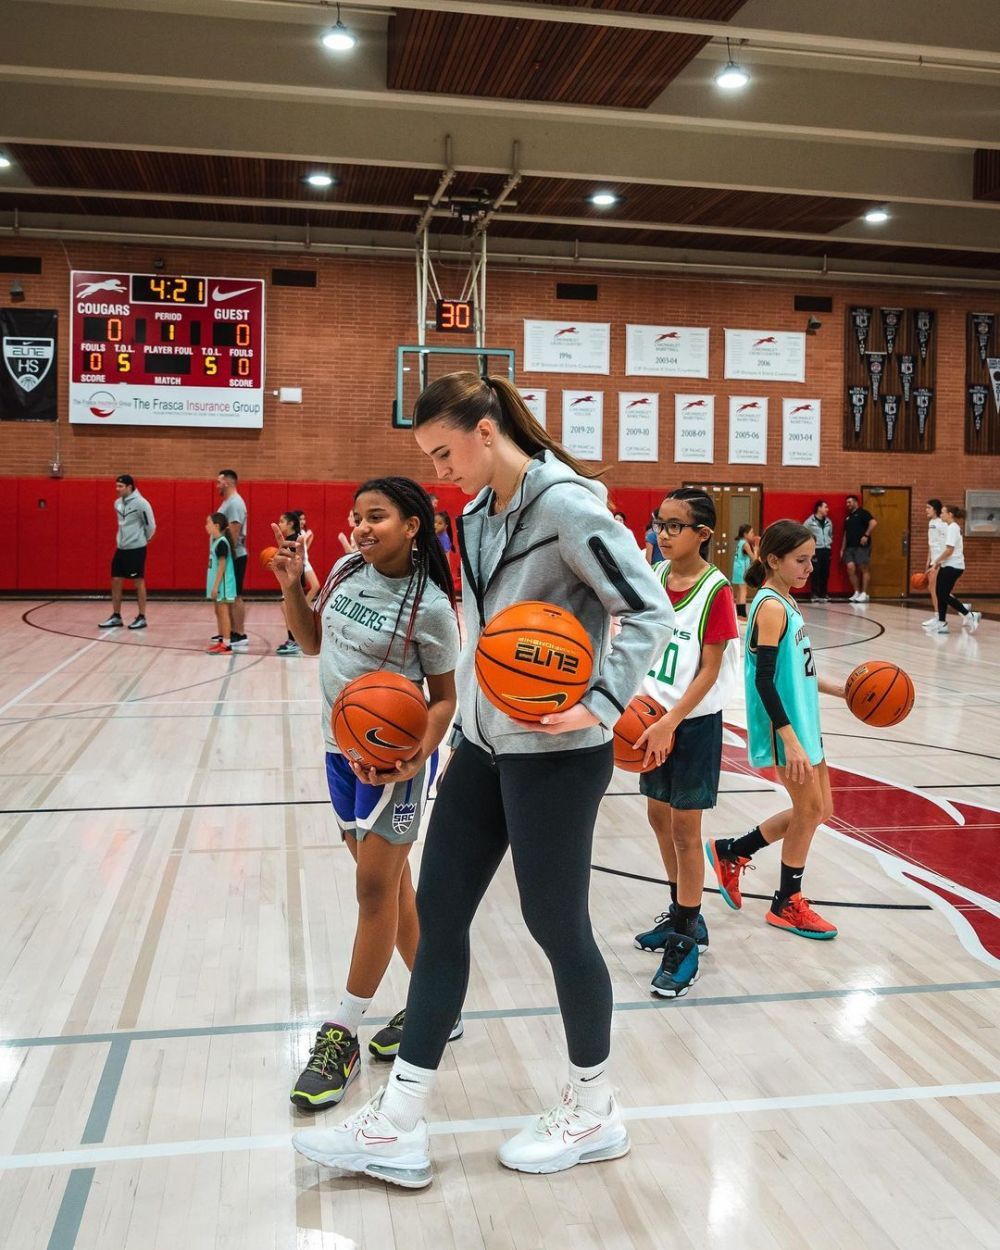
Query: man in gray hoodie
point(136, 527)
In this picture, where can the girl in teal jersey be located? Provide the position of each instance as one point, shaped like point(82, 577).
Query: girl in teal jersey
point(783, 729)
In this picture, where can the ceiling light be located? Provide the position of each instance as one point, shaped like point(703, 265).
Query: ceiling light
point(319, 180)
point(875, 216)
point(5, 161)
point(732, 76)
point(603, 199)
point(338, 38)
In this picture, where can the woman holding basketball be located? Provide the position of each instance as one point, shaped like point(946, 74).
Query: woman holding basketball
point(783, 730)
point(691, 680)
point(538, 528)
point(389, 606)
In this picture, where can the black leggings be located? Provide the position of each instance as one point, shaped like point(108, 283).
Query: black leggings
point(544, 807)
point(943, 587)
point(821, 571)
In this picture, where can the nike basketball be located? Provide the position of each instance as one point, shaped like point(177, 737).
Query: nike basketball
point(533, 659)
point(379, 718)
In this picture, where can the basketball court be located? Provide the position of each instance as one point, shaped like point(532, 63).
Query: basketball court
point(177, 914)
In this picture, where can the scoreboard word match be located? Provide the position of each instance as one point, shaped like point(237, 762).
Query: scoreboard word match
point(147, 349)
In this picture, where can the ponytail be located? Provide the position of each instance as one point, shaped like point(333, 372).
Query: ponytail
point(779, 539)
point(464, 399)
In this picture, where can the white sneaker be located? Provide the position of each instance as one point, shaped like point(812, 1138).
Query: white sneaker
point(369, 1143)
point(971, 622)
point(565, 1136)
point(931, 620)
point(855, 598)
point(862, 598)
point(940, 628)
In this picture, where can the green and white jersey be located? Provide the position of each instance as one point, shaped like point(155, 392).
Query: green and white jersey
point(678, 666)
point(796, 683)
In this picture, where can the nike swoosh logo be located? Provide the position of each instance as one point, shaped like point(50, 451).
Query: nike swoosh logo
point(585, 1079)
point(558, 699)
point(365, 594)
point(383, 1141)
point(587, 1132)
point(372, 737)
point(407, 1080)
point(218, 295)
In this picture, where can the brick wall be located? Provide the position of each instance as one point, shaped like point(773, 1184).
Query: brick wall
point(338, 343)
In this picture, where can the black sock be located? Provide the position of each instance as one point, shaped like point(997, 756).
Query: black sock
point(741, 611)
point(685, 919)
point(673, 893)
point(291, 636)
point(742, 848)
point(791, 883)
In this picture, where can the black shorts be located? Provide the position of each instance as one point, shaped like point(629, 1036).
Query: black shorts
point(130, 564)
point(240, 569)
point(688, 779)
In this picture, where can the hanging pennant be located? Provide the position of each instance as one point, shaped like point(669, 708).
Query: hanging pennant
point(876, 371)
point(906, 366)
point(923, 396)
point(861, 319)
point(993, 365)
point(890, 414)
point(978, 396)
point(891, 320)
point(924, 321)
point(859, 398)
point(983, 325)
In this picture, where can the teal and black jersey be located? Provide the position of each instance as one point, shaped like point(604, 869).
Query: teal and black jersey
point(796, 683)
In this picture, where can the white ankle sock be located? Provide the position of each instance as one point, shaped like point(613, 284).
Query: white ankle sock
point(349, 1011)
point(406, 1094)
point(592, 1087)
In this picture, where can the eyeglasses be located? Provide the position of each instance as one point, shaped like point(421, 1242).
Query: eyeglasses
point(673, 527)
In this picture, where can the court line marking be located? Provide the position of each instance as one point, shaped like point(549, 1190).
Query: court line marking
point(511, 1013)
point(69, 1217)
point(40, 681)
point(667, 1111)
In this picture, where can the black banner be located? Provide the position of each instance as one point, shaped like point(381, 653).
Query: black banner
point(861, 319)
point(858, 396)
point(907, 365)
point(978, 396)
point(983, 325)
point(876, 373)
point(923, 319)
point(891, 320)
point(993, 365)
point(890, 414)
point(28, 341)
point(923, 396)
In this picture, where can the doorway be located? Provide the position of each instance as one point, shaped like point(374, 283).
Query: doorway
point(735, 505)
point(890, 568)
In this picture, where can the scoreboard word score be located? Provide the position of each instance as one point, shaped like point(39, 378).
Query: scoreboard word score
point(147, 349)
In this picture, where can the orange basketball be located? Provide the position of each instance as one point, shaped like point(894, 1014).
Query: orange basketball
point(880, 693)
point(642, 711)
point(379, 718)
point(267, 555)
point(918, 581)
point(534, 658)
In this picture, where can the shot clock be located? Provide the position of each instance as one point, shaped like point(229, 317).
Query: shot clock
point(150, 349)
point(455, 316)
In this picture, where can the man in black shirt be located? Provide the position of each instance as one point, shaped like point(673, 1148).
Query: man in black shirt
point(856, 547)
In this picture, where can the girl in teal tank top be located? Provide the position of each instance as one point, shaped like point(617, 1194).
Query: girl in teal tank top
point(783, 730)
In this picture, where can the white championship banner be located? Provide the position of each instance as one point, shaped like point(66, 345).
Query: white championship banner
point(800, 430)
point(583, 424)
point(534, 401)
point(748, 429)
point(694, 429)
point(777, 356)
point(666, 351)
point(567, 347)
point(638, 425)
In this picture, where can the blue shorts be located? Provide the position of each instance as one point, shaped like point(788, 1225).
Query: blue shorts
point(393, 812)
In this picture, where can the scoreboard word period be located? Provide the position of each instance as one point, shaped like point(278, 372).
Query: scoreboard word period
point(147, 349)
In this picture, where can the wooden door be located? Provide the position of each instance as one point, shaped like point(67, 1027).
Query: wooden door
point(735, 505)
point(890, 567)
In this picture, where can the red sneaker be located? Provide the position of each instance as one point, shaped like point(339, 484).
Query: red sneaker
point(796, 916)
point(220, 648)
point(727, 873)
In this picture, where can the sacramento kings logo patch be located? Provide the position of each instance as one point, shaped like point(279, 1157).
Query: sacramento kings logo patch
point(28, 360)
point(402, 816)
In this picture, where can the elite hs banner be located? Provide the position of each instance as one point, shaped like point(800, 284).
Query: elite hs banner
point(28, 375)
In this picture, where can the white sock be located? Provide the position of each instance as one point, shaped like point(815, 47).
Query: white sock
point(349, 1011)
point(592, 1087)
point(406, 1094)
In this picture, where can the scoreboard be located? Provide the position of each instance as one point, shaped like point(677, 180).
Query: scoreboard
point(147, 349)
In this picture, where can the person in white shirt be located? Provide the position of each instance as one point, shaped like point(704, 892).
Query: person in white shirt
point(950, 565)
point(936, 531)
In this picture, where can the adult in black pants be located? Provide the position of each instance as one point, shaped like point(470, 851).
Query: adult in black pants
point(950, 565)
point(821, 528)
point(539, 528)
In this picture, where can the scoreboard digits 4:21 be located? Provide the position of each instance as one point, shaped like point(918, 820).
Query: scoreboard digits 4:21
point(148, 349)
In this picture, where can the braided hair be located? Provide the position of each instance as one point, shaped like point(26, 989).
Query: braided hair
point(429, 560)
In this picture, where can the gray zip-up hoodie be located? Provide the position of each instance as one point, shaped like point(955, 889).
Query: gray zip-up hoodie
point(136, 523)
point(557, 542)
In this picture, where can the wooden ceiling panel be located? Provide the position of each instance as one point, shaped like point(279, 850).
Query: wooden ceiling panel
point(515, 59)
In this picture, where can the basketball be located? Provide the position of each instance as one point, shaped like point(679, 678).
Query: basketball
point(918, 581)
point(879, 693)
point(267, 555)
point(379, 718)
point(532, 659)
point(641, 712)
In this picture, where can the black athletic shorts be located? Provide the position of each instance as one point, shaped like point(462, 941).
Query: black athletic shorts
point(130, 564)
point(689, 777)
point(240, 569)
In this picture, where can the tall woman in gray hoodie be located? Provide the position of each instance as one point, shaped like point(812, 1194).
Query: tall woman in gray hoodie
point(538, 527)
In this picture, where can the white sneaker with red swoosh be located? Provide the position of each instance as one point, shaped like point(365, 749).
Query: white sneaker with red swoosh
point(369, 1143)
point(565, 1136)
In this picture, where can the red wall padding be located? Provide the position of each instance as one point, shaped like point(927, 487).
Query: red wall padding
point(796, 506)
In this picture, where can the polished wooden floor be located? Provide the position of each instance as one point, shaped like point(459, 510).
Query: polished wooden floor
point(175, 916)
